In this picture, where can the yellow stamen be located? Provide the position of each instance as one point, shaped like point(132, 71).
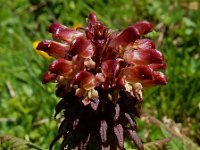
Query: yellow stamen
point(78, 25)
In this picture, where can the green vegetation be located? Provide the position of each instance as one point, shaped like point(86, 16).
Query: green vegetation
point(27, 106)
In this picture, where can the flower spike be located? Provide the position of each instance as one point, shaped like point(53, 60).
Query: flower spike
point(100, 76)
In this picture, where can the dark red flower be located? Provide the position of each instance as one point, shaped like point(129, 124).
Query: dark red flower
point(100, 75)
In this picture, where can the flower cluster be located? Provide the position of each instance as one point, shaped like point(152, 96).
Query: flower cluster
point(100, 74)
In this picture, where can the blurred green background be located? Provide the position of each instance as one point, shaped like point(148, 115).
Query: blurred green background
point(27, 106)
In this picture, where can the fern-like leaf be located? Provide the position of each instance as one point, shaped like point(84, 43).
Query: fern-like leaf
point(159, 144)
point(178, 138)
point(11, 142)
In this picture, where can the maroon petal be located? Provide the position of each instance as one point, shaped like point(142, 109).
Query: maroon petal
point(158, 79)
point(141, 57)
point(157, 66)
point(56, 26)
point(110, 68)
point(78, 63)
point(61, 67)
point(82, 47)
point(96, 31)
point(53, 48)
point(85, 79)
point(92, 19)
point(132, 33)
point(61, 32)
point(120, 82)
point(49, 77)
point(135, 73)
point(142, 27)
point(143, 44)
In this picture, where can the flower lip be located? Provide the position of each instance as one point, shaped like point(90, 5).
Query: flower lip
point(143, 44)
point(110, 68)
point(85, 79)
point(53, 48)
point(137, 73)
point(92, 19)
point(42, 53)
point(132, 33)
point(48, 77)
point(159, 79)
point(61, 67)
point(142, 27)
point(141, 56)
point(158, 66)
point(56, 26)
point(83, 47)
point(63, 33)
point(43, 45)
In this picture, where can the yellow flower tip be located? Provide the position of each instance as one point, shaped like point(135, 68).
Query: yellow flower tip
point(78, 25)
point(41, 53)
point(35, 44)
